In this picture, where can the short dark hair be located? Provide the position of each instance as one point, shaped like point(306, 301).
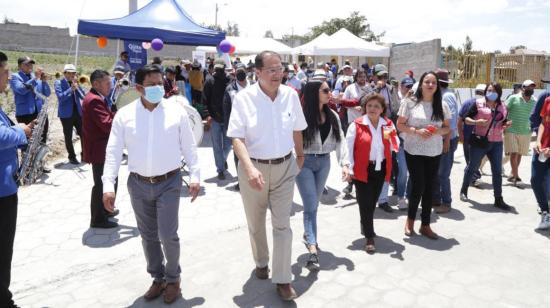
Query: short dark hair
point(359, 71)
point(146, 71)
point(303, 65)
point(170, 69)
point(3, 58)
point(374, 97)
point(98, 74)
point(123, 53)
point(259, 60)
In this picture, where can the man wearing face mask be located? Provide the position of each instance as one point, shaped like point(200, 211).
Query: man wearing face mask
point(232, 89)
point(518, 137)
point(212, 97)
point(97, 119)
point(157, 134)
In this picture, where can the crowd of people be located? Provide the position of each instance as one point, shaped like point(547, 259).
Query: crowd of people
point(282, 122)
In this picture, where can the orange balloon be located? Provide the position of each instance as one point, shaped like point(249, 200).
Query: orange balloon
point(102, 42)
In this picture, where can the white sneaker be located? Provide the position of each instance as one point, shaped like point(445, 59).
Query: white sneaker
point(544, 221)
point(402, 204)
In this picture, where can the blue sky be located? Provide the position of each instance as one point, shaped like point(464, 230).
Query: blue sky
point(492, 24)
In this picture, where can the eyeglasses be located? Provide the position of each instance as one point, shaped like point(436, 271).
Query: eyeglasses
point(274, 70)
point(325, 90)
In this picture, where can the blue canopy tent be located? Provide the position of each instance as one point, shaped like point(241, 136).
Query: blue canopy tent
point(163, 19)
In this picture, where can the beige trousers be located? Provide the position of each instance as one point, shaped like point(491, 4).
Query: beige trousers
point(276, 195)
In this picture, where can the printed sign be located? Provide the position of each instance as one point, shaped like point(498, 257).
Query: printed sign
point(137, 55)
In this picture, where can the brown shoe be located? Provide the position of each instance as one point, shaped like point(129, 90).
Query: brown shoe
point(409, 227)
point(172, 292)
point(262, 272)
point(286, 291)
point(442, 209)
point(427, 232)
point(154, 291)
point(369, 247)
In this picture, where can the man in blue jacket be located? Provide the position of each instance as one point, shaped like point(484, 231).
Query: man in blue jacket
point(25, 85)
point(69, 95)
point(11, 137)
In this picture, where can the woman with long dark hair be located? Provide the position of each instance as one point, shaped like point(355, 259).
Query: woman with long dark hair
point(423, 120)
point(488, 114)
point(323, 135)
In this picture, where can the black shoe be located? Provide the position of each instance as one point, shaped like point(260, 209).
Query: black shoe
point(348, 189)
point(46, 170)
point(236, 187)
point(221, 176)
point(74, 161)
point(113, 214)
point(313, 261)
point(225, 165)
point(386, 207)
point(499, 203)
point(104, 225)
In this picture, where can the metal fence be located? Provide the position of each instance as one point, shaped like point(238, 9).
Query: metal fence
point(470, 69)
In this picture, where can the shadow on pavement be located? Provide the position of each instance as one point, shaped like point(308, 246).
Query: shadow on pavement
point(296, 208)
point(260, 293)
point(180, 303)
point(545, 233)
point(330, 197)
point(454, 214)
point(441, 244)
point(222, 183)
point(185, 191)
point(381, 214)
point(103, 238)
point(489, 208)
point(383, 245)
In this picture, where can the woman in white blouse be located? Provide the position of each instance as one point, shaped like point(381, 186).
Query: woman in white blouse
point(370, 139)
point(423, 120)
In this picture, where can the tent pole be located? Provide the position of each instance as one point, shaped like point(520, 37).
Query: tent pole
point(76, 52)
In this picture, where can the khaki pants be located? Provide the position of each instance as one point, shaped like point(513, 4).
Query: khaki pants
point(276, 195)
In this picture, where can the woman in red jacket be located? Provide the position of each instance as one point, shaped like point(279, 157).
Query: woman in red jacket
point(370, 139)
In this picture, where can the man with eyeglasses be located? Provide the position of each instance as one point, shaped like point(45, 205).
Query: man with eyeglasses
point(266, 124)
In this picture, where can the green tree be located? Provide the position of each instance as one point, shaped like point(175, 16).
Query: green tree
point(468, 45)
point(355, 23)
point(514, 48)
point(232, 29)
point(268, 34)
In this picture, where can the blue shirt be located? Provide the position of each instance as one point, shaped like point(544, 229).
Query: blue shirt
point(10, 138)
point(23, 87)
point(450, 99)
point(468, 129)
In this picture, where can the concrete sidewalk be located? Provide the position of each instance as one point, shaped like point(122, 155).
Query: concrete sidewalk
point(484, 258)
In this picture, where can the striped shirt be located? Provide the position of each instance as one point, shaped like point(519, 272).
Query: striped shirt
point(519, 111)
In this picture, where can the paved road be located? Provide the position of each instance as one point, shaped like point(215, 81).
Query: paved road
point(484, 258)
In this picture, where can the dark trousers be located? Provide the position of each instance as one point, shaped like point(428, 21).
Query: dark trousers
point(540, 176)
point(8, 221)
point(99, 215)
point(68, 124)
point(466, 149)
point(28, 118)
point(422, 172)
point(367, 196)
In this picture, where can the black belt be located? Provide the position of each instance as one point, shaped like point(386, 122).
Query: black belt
point(156, 179)
point(373, 162)
point(274, 161)
point(318, 155)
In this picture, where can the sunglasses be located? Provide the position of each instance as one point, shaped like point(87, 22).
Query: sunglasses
point(325, 90)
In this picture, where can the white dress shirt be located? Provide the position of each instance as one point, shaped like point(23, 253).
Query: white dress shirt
point(354, 91)
point(156, 141)
point(267, 126)
point(376, 147)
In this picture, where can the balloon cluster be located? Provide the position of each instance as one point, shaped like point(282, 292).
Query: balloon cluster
point(157, 44)
point(225, 47)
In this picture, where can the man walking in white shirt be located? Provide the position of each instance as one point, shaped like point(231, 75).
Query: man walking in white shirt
point(156, 134)
point(266, 123)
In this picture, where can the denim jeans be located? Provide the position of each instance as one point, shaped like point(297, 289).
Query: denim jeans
point(310, 181)
point(402, 175)
point(383, 197)
point(494, 152)
point(466, 149)
point(540, 179)
point(442, 184)
point(221, 145)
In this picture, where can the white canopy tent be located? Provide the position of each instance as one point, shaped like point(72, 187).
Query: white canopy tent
point(245, 45)
point(343, 43)
point(309, 48)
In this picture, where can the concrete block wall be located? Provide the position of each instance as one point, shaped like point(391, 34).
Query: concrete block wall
point(418, 57)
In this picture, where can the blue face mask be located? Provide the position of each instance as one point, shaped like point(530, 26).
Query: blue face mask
point(491, 96)
point(154, 94)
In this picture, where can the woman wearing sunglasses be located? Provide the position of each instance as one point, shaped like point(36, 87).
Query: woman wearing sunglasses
point(488, 115)
point(370, 139)
point(323, 135)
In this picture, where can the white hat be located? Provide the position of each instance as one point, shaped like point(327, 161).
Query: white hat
point(346, 66)
point(69, 68)
point(527, 83)
point(481, 87)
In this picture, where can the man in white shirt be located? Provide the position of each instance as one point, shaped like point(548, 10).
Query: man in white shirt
point(266, 123)
point(156, 134)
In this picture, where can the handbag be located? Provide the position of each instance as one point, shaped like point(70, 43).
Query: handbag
point(482, 142)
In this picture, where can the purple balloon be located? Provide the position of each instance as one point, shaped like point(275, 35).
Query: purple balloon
point(225, 46)
point(157, 44)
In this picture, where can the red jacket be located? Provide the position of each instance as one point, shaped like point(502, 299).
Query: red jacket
point(97, 119)
point(361, 150)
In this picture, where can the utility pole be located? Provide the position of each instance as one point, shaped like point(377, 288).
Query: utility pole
point(216, 16)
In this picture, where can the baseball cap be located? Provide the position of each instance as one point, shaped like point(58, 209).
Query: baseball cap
point(346, 66)
point(380, 69)
point(240, 66)
point(69, 68)
point(118, 69)
point(527, 83)
point(319, 74)
point(443, 75)
point(407, 82)
point(25, 60)
point(481, 87)
point(219, 63)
